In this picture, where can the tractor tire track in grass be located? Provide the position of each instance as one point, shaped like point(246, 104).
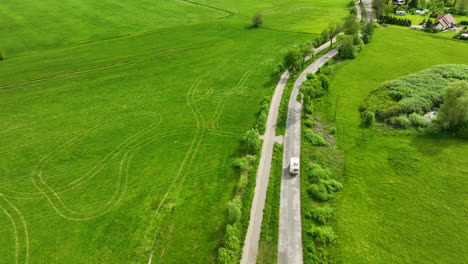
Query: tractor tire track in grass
point(213, 126)
point(20, 230)
point(126, 150)
point(146, 57)
point(154, 236)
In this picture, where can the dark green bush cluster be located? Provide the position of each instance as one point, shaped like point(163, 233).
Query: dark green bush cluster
point(322, 186)
point(368, 118)
point(245, 165)
point(315, 138)
point(231, 251)
point(320, 214)
point(312, 87)
point(262, 115)
point(367, 32)
point(322, 234)
point(400, 121)
point(394, 21)
point(309, 123)
point(252, 142)
point(416, 93)
point(229, 254)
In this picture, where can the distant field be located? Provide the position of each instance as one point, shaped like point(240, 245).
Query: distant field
point(404, 197)
point(113, 150)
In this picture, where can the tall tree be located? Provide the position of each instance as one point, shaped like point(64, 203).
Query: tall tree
point(454, 110)
point(334, 29)
point(292, 60)
point(305, 50)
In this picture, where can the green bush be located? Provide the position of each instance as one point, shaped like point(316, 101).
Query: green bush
point(252, 143)
point(331, 185)
point(226, 256)
point(368, 118)
point(418, 120)
point(321, 214)
point(231, 238)
point(245, 163)
point(324, 81)
point(316, 173)
point(322, 234)
point(234, 211)
point(400, 121)
point(312, 88)
point(319, 192)
point(309, 123)
point(315, 138)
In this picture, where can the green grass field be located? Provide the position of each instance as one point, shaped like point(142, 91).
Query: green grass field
point(404, 197)
point(120, 121)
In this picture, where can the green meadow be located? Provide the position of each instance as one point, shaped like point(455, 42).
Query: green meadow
point(120, 120)
point(404, 196)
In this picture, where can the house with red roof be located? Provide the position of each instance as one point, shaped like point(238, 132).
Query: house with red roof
point(444, 22)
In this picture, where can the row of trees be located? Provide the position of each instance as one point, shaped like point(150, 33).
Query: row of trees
point(394, 21)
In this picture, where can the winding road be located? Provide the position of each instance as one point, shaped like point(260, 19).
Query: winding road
point(250, 250)
point(290, 226)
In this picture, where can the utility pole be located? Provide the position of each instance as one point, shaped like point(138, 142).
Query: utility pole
point(336, 106)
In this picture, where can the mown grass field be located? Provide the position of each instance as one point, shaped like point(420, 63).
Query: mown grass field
point(404, 197)
point(120, 121)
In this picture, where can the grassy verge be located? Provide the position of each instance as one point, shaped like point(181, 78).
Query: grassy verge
point(404, 194)
point(268, 247)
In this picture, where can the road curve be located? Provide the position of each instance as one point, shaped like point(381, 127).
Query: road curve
point(250, 250)
point(290, 224)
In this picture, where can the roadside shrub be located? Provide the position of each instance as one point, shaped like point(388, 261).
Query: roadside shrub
point(261, 121)
point(317, 173)
point(322, 234)
point(418, 120)
point(400, 121)
point(231, 238)
point(252, 143)
point(226, 256)
point(321, 214)
point(243, 181)
point(315, 138)
point(309, 123)
point(234, 211)
point(331, 185)
point(245, 163)
point(324, 81)
point(312, 88)
point(346, 49)
point(319, 192)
